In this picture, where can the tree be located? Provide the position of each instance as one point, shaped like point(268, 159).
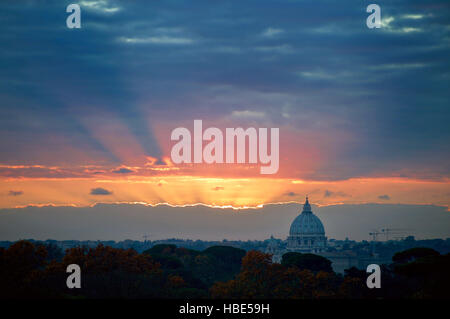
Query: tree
point(314, 263)
point(413, 254)
point(20, 264)
point(260, 278)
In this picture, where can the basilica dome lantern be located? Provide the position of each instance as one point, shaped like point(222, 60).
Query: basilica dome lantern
point(307, 234)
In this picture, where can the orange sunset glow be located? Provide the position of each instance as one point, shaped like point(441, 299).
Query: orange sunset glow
point(141, 178)
point(235, 192)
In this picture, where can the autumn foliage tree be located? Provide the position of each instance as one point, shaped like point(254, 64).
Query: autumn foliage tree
point(311, 262)
point(34, 270)
point(20, 264)
point(260, 278)
point(112, 272)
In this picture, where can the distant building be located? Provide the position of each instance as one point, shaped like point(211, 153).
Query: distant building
point(274, 249)
point(307, 234)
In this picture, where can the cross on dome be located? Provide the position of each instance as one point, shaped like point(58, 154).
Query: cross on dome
point(307, 206)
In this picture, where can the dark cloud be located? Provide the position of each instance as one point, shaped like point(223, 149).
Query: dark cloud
point(328, 193)
point(100, 191)
point(384, 197)
point(160, 162)
point(122, 170)
point(15, 193)
point(291, 194)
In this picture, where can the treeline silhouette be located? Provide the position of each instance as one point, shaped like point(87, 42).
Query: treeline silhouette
point(30, 270)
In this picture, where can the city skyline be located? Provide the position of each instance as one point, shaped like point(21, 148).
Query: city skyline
point(133, 221)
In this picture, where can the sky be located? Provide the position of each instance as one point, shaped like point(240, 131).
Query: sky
point(86, 114)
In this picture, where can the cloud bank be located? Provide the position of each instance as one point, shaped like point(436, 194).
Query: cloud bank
point(131, 221)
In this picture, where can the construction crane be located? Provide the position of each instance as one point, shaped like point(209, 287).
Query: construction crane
point(374, 235)
point(145, 237)
point(393, 231)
